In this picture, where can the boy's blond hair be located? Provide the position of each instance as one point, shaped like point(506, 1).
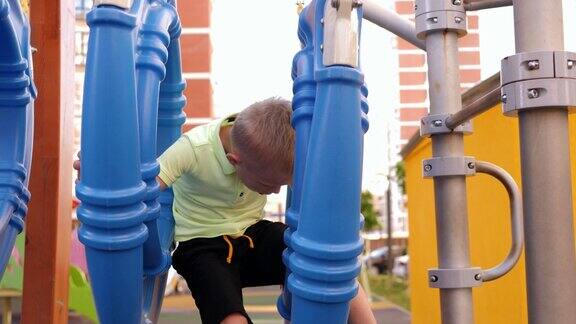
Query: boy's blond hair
point(262, 132)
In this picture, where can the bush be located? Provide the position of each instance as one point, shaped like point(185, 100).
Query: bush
point(392, 288)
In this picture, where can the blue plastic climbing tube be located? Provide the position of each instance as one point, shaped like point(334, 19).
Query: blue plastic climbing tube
point(160, 25)
point(111, 187)
point(327, 242)
point(170, 121)
point(132, 112)
point(17, 94)
point(159, 39)
point(120, 144)
point(304, 90)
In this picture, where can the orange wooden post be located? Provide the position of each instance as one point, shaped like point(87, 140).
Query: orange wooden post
point(48, 223)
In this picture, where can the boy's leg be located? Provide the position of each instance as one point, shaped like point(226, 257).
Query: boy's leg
point(360, 310)
point(235, 318)
point(215, 284)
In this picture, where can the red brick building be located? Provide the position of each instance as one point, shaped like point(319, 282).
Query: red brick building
point(196, 49)
point(196, 54)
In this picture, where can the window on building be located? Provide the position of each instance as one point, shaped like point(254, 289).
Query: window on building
point(82, 6)
point(81, 43)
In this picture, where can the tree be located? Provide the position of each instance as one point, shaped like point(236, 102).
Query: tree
point(367, 209)
point(401, 176)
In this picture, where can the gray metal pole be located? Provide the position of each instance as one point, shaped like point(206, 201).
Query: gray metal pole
point(391, 255)
point(391, 21)
point(484, 96)
point(449, 192)
point(546, 181)
point(471, 5)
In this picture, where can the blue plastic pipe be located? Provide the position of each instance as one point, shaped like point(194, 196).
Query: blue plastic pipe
point(304, 90)
point(16, 124)
point(170, 121)
point(327, 242)
point(136, 51)
point(160, 25)
point(111, 187)
point(156, 60)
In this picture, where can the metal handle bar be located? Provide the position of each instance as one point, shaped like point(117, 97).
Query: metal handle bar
point(516, 219)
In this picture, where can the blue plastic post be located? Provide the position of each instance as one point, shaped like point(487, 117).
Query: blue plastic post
point(327, 242)
point(170, 121)
point(160, 28)
point(160, 25)
point(16, 124)
point(304, 90)
point(111, 187)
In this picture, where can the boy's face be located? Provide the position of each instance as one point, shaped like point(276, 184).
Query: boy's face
point(260, 178)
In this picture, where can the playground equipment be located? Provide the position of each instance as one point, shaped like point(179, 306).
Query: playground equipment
point(133, 95)
point(538, 86)
point(120, 231)
point(321, 258)
point(17, 95)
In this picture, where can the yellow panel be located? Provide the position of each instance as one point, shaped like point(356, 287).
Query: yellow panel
point(495, 139)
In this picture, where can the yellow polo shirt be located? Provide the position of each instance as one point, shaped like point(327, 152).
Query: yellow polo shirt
point(209, 198)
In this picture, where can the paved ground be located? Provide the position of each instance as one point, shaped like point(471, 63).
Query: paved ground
point(260, 304)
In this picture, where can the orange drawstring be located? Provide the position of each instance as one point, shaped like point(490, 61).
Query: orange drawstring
point(231, 246)
point(249, 240)
point(230, 249)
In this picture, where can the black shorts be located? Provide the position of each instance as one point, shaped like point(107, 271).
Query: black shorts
point(216, 269)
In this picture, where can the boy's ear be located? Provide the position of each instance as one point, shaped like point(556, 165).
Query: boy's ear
point(233, 158)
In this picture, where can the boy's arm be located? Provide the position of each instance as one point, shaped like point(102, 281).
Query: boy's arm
point(177, 160)
point(161, 183)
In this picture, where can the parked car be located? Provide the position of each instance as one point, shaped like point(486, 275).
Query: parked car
point(400, 268)
point(377, 260)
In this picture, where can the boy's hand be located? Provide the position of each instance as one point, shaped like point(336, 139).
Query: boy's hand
point(161, 183)
point(76, 166)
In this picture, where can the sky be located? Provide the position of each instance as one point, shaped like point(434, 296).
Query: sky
point(254, 43)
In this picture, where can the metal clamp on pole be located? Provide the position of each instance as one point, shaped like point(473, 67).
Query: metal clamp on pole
point(124, 4)
point(340, 33)
point(449, 166)
point(390, 20)
point(433, 15)
point(537, 80)
point(455, 278)
point(517, 220)
point(436, 124)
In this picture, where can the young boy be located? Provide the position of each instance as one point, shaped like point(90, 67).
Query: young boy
point(220, 173)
